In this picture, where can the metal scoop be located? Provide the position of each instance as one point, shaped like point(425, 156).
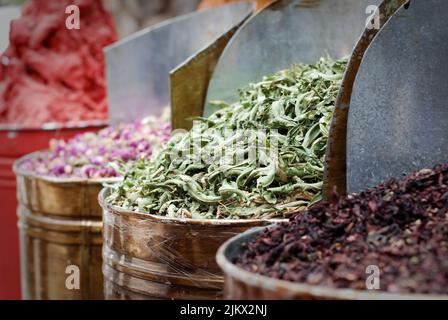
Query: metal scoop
point(336, 157)
point(284, 33)
point(398, 116)
point(138, 67)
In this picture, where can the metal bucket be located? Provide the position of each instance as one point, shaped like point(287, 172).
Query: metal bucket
point(15, 143)
point(60, 237)
point(151, 257)
point(243, 285)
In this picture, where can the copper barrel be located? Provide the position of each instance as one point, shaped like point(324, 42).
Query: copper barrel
point(60, 227)
point(243, 285)
point(152, 257)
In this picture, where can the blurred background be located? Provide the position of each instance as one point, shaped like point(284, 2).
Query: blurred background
point(133, 15)
point(51, 76)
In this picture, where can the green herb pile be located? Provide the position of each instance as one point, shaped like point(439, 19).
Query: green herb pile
point(291, 109)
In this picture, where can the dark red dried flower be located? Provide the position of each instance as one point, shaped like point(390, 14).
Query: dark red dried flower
point(400, 226)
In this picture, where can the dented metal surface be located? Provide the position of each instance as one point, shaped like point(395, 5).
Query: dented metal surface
point(138, 67)
point(284, 33)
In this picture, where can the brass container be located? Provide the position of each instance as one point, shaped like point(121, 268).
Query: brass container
point(152, 257)
point(60, 228)
point(244, 285)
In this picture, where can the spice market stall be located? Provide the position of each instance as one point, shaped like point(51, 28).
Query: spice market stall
point(166, 219)
point(60, 219)
point(396, 229)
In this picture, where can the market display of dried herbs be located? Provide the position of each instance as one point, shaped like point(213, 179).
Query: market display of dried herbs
point(400, 227)
point(225, 167)
point(102, 154)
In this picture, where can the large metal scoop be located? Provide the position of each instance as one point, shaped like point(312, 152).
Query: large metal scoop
point(336, 158)
point(284, 33)
point(398, 116)
point(138, 67)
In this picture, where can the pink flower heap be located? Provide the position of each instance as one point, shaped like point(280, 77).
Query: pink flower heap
point(98, 155)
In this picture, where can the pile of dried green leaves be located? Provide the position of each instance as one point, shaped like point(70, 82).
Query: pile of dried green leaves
point(259, 158)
